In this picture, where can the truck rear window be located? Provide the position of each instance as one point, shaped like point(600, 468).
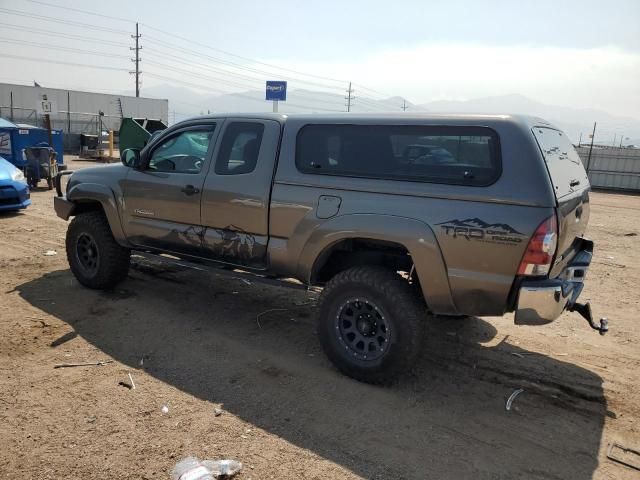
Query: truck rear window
point(563, 163)
point(437, 154)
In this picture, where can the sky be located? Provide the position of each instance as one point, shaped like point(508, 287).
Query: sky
point(581, 54)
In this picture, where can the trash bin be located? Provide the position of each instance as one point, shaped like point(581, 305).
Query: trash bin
point(136, 132)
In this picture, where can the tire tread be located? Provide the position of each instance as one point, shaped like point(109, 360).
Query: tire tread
point(406, 308)
point(114, 259)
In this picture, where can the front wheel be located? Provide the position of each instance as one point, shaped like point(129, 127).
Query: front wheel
point(371, 324)
point(95, 258)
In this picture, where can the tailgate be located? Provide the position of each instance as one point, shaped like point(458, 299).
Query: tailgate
point(571, 187)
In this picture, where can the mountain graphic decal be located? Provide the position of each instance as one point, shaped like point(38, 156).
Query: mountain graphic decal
point(478, 223)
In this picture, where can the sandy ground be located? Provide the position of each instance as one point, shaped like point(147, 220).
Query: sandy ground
point(192, 343)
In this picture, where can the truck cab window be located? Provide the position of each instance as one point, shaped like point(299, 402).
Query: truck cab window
point(182, 153)
point(239, 148)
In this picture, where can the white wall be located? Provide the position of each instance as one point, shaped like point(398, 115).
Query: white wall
point(86, 104)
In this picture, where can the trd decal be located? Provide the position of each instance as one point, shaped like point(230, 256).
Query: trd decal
point(476, 229)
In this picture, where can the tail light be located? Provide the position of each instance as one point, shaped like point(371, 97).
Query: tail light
point(541, 249)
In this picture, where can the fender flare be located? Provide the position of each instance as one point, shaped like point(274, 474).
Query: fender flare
point(416, 236)
point(96, 192)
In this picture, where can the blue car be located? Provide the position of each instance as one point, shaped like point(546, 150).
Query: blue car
point(14, 192)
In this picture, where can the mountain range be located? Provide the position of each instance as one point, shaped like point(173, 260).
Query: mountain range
point(574, 121)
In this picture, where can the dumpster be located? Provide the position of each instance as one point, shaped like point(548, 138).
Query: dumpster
point(14, 138)
point(90, 146)
point(136, 132)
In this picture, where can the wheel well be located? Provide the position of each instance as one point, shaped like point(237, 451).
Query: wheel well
point(84, 206)
point(360, 251)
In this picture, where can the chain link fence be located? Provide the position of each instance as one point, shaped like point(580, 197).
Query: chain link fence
point(72, 124)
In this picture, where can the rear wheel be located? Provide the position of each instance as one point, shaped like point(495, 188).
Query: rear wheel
point(95, 258)
point(371, 324)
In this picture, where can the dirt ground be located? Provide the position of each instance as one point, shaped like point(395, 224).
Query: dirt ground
point(192, 341)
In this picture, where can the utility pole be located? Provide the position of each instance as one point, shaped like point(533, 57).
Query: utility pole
point(404, 105)
point(593, 134)
point(580, 140)
point(349, 98)
point(137, 60)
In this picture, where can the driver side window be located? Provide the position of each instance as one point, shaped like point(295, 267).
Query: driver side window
point(184, 152)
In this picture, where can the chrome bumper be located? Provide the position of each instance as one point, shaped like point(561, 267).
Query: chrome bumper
point(542, 301)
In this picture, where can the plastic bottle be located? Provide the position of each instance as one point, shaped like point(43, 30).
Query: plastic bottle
point(191, 468)
point(222, 467)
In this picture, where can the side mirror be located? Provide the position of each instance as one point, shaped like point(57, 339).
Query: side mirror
point(130, 157)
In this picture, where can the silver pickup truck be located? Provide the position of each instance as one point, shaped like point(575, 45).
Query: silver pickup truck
point(394, 217)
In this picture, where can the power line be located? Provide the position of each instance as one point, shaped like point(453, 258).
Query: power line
point(183, 50)
point(184, 39)
point(214, 79)
point(247, 81)
point(64, 86)
point(57, 47)
point(167, 44)
point(79, 11)
point(180, 48)
point(62, 21)
point(362, 87)
point(198, 75)
point(207, 88)
point(46, 60)
point(244, 58)
point(40, 31)
point(175, 58)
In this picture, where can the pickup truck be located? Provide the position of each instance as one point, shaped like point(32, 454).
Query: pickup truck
point(394, 217)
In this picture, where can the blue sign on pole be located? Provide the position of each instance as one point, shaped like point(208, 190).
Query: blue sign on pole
point(276, 90)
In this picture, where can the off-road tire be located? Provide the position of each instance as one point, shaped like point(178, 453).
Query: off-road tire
point(112, 264)
point(402, 311)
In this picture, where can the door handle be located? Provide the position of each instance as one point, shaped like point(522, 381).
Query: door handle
point(190, 190)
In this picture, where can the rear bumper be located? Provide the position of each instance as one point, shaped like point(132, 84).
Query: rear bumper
point(542, 301)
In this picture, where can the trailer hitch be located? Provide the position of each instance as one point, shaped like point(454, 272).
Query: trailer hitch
point(584, 309)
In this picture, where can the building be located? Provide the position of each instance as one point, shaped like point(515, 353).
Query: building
point(74, 111)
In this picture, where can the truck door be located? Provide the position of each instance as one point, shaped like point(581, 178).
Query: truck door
point(237, 191)
point(162, 202)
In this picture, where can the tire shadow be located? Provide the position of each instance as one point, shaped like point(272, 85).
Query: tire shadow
point(200, 333)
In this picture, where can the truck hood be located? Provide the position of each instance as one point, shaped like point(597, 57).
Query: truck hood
point(108, 175)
